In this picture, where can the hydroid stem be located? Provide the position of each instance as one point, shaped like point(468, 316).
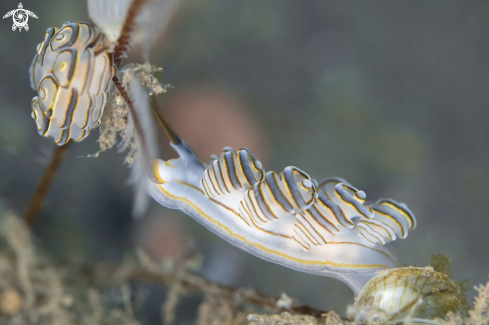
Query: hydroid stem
point(127, 28)
point(134, 116)
point(37, 200)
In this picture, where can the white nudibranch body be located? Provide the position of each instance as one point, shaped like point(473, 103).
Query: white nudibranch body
point(322, 228)
point(71, 72)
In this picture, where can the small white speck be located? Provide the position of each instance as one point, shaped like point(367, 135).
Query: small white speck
point(284, 301)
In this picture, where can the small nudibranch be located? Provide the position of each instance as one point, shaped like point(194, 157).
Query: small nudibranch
point(322, 228)
point(70, 72)
point(74, 65)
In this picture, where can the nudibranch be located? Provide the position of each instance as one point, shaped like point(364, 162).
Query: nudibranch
point(71, 72)
point(73, 66)
point(323, 228)
point(76, 68)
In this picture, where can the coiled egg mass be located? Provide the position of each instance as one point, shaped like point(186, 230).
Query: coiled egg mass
point(71, 72)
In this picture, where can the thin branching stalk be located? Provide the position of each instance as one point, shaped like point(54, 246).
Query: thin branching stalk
point(134, 116)
point(36, 202)
point(125, 35)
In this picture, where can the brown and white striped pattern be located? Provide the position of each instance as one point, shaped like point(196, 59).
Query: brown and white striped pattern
point(232, 172)
point(278, 196)
point(391, 220)
point(337, 204)
point(294, 205)
point(340, 206)
point(71, 73)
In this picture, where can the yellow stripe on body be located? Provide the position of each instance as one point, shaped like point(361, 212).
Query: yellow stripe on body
point(255, 209)
point(306, 248)
point(370, 234)
point(317, 232)
point(370, 223)
point(307, 233)
point(274, 252)
point(394, 220)
point(222, 176)
point(214, 180)
point(231, 210)
point(167, 163)
point(401, 211)
point(351, 204)
point(225, 176)
point(332, 213)
point(156, 172)
point(367, 238)
point(265, 200)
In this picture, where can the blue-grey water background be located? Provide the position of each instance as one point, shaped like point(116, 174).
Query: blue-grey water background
point(390, 95)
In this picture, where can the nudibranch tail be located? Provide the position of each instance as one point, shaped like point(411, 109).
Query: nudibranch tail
point(288, 218)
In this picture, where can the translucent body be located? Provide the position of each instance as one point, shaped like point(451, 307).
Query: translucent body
point(71, 73)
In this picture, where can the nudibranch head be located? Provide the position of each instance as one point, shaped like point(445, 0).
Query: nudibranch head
point(409, 292)
point(71, 72)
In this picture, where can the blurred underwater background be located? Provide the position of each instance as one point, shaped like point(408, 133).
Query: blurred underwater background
point(391, 96)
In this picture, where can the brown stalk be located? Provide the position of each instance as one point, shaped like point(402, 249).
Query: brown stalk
point(134, 116)
point(37, 200)
point(123, 40)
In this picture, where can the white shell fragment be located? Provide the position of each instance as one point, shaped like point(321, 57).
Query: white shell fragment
point(323, 228)
point(406, 293)
point(71, 73)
